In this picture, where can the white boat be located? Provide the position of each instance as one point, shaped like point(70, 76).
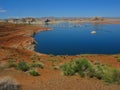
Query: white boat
point(93, 32)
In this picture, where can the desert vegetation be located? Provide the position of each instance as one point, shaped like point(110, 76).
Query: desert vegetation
point(22, 63)
point(117, 58)
point(84, 68)
point(34, 72)
point(31, 68)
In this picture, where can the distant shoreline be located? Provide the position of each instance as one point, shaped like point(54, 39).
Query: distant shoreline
point(53, 20)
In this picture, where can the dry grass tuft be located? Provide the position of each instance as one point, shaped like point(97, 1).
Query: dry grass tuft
point(8, 83)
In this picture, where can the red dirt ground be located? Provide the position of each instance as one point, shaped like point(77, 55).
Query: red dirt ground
point(13, 39)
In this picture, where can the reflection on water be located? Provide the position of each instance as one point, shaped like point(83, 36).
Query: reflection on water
point(63, 25)
point(71, 39)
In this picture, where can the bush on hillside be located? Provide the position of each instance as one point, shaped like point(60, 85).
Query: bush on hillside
point(80, 66)
point(85, 68)
point(11, 63)
point(38, 64)
point(22, 65)
point(34, 72)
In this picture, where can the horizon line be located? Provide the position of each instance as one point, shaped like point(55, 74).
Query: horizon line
point(59, 17)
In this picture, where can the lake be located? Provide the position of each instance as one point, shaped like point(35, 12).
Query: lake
point(73, 39)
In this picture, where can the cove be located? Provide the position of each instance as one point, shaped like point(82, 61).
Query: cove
point(73, 39)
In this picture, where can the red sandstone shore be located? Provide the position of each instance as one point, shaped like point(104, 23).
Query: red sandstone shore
point(15, 43)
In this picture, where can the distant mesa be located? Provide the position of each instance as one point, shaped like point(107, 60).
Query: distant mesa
point(55, 20)
point(97, 19)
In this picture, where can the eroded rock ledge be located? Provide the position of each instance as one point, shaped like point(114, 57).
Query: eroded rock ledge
point(18, 36)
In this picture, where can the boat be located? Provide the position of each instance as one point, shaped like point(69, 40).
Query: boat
point(93, 32)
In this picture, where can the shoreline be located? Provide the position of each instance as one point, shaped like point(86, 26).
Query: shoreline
point(50, 77)
point(18, 37)
point(48, 20)
point(27, 42)
point(24, 39)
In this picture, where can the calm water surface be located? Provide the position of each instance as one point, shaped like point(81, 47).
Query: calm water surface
point(73, 39)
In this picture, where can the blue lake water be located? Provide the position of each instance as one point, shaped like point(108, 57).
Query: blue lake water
point(74, 39)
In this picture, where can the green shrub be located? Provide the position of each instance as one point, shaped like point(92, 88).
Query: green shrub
point(91, 73)
point(108, 75)
point(32, 65)
point(11, 63)
point(23, 66)
point(38, 64)
point(84, 68)
point(35, 57)
point(34, 73)
point(53, 61)
point(81, 73)
point(55, 67)
point(67, 69)
point(118, 60)
point(115, 56)
point(96, 63)
point(80, 66)
point(98, 72)
point(116, 76)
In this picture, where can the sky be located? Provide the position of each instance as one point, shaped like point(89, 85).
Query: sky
point(59, 8)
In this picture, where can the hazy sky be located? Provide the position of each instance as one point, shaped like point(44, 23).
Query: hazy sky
point(59, 8)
